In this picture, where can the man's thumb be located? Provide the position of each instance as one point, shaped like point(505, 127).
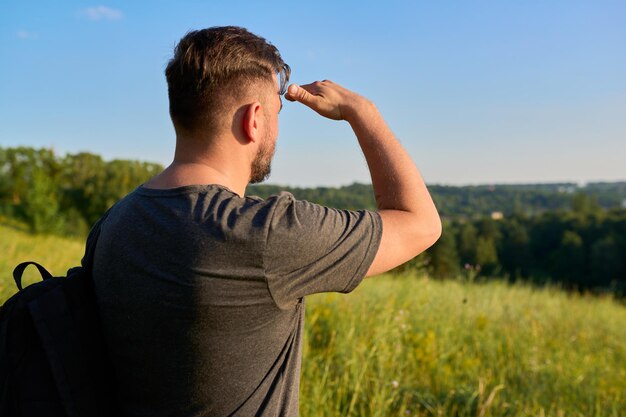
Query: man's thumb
point(295, 92)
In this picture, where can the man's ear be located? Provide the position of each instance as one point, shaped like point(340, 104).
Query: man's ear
point(253, 121)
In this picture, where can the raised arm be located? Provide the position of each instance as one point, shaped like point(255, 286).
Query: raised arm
point(411, 223)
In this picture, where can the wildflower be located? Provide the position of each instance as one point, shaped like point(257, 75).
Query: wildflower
point(395, 384)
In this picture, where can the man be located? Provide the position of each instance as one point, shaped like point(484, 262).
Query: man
point(201, 289)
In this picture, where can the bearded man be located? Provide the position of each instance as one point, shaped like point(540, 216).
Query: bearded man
point(200, 288)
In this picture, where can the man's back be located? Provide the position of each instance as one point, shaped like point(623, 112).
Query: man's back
point(201, 295)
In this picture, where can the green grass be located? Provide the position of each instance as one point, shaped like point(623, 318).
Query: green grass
point(56, 254)
point(418, 347)
point(410, 346)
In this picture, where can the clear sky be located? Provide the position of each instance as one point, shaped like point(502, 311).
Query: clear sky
point(477, 91)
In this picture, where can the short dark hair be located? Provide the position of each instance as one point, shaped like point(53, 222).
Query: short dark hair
point(207, 62)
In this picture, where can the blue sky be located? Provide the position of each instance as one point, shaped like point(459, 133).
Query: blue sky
point(477, 91)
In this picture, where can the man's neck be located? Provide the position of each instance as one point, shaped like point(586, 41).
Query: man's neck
point(181, 173)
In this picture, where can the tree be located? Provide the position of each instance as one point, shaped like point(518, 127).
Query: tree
point(468, 241)
point(607, 262)
point(84, 178)
point(584, 204)
point(443, 256)
point(41, 204)
point(515, 256)
point(486, 255)
point(568, 260)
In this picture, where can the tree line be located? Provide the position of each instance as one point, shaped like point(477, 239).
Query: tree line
point(583, 248)
point(541, 233)
point(64, 194)
point(471, 201)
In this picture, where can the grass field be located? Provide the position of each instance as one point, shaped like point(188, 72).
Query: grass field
point(409, 346)
point(55, 253)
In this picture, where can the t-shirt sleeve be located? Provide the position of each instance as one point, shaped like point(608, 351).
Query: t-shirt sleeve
point(311, 248)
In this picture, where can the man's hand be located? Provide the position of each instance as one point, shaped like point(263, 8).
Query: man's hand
point(328, 99)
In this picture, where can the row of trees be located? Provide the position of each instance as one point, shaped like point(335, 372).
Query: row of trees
point(583, 249)
point(474, 201)
point(527, 199)
point(552, 232)
point(64, 194)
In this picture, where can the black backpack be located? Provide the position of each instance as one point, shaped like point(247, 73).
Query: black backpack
point(53, 358)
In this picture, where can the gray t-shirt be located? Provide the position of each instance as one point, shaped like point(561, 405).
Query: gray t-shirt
point(201, 295)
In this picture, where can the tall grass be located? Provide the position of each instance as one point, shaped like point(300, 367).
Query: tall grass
point(407, 346)
point(410, 346)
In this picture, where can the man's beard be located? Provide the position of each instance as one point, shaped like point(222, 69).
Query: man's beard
point(262, 162)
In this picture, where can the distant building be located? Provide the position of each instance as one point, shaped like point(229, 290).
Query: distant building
point(566, 189)
point(497, 215)
point(624, 203)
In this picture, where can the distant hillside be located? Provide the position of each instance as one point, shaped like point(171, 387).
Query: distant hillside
point(471, 201)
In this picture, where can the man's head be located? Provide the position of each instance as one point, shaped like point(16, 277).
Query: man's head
point(212, 69)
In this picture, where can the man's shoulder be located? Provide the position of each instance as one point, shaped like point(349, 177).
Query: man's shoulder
point(277, 196)
point(211, 206)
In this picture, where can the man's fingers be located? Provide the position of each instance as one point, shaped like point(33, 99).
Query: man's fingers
point(305, 94)
point(316, 96)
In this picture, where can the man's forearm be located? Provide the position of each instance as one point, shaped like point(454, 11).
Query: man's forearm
point(397, 182)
